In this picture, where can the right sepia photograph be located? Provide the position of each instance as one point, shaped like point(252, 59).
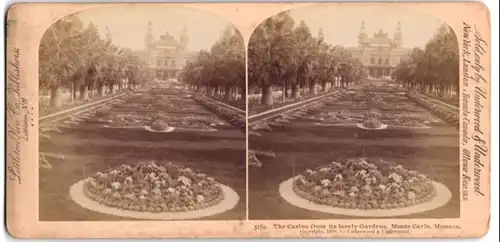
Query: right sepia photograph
point(353, 112)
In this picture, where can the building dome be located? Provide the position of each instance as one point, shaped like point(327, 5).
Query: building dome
point(166, 41)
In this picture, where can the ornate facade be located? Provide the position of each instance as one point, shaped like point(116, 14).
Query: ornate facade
point(379, 53)
point(167, 55)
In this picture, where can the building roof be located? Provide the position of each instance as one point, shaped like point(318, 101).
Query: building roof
point(379, 38)
point(166, 40)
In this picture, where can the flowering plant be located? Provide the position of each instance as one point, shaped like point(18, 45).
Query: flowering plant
point(373, 123)
point(150, 187)
point(364, 184)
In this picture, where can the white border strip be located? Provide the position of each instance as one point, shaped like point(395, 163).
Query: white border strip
point(438, 101)
point(80, 107)
point(292, 104)
point(198, 130)
point(241, 112)
point(230, 201)
point(443, 196)
point(408, 127)
point(168, 130)
point(382, 126)
point(336, 125)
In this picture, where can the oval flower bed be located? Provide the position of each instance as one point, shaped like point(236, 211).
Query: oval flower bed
point(372, 124)
point(149, 187)
point(364, 184)
point(159, 121)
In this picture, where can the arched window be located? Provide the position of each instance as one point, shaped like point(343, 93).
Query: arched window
point(372, 60)
point(387, 61)
point(379, 61)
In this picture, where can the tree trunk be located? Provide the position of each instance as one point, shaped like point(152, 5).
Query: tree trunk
point(55, 97)
point(285, 89)
point(72, 92)
point(217, 91)
point(296, 91)
point(442, 91)
point(243, 92)
point(227, 93)
point(111, 88)
point(75, 90)
point(100, 90)
point(267, 95)
point(84, 93)
point(234, 93)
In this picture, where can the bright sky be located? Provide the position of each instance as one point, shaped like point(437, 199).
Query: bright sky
point(128, 24)
point(341, 24)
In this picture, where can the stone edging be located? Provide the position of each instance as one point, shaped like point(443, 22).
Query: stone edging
point(230, 200)
point(168, 130)
point(443, 196)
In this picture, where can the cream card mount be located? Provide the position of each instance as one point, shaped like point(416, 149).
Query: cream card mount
point(248, 120)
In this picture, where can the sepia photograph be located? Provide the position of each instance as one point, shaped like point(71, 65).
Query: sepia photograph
point(353, 112)
point(249, 120)
point(142, 116)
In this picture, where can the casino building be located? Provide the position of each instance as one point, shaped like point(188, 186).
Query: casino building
point(166, 55)
point(379, 53)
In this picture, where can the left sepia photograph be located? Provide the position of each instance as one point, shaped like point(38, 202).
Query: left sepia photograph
point(142, 116)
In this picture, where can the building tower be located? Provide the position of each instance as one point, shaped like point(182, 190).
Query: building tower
point(362, 34)
point(321, 36)
point(148, 39)
point(183, 38)
point(398, 36)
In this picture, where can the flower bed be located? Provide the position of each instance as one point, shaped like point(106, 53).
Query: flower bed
point(392, 117)
point(234, 118)
point(46, 109)
point(192, 122)
point(154, 188)
point(122, 120)
point(384, 89)
point(452, 100)
point(159, 120)
point(159, 126)
point(360, 183)
point(448, 115)
point(255, 107)
point(288, 116)
point(372, 124)
point(239, 103)
point(342, 116)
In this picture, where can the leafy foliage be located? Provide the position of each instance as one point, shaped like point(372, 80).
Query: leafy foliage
point(220, 71)
point(281, 54)
point(435, 68)
point(76, 57)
